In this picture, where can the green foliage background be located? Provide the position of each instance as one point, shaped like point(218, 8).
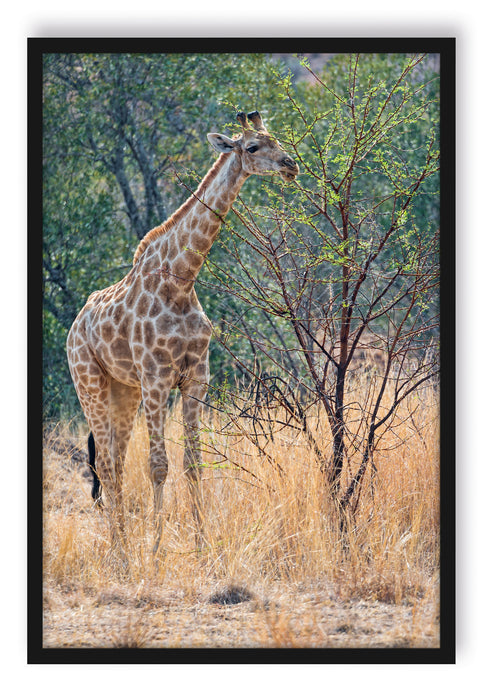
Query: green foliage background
point(118, 128)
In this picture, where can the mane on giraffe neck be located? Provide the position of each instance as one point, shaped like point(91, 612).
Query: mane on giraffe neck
point(160, 230)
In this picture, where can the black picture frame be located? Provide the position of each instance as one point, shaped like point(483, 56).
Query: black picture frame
point(445, 654)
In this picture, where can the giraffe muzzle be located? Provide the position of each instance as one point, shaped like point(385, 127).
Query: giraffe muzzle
point(290, 168)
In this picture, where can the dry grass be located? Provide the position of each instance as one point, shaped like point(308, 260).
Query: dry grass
point(274, 571)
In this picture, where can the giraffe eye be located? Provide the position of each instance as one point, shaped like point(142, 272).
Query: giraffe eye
point(252, 149)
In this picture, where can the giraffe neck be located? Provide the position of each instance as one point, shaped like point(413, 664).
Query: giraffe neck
point(184, 241)
point(198, 229)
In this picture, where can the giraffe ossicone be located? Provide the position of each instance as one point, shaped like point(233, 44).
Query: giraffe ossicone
point(148, 334)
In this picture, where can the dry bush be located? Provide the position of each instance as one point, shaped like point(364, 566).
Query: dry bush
point(269, 532)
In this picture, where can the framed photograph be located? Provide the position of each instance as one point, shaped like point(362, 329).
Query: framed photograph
point(241, 270)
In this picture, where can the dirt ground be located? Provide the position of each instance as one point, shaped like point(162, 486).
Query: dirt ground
point(230, 617)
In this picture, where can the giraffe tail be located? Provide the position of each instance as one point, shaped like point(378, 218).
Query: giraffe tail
point(96, 490)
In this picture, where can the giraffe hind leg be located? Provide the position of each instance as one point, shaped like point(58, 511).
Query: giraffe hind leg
point(110, 408)
point(124, 404)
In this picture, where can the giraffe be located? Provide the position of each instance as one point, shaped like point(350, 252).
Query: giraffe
point(140, 338)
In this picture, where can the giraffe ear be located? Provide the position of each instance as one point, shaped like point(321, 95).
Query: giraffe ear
point(221, 143)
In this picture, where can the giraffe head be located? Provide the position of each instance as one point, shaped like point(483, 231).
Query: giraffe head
point(258, 151)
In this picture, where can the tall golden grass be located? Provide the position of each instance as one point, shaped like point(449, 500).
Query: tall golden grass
point(265, 529)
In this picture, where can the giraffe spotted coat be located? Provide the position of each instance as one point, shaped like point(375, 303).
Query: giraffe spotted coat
point(148, 334)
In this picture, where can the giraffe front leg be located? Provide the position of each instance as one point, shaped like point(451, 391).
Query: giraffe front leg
point(154, 402)
point(193, 396)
